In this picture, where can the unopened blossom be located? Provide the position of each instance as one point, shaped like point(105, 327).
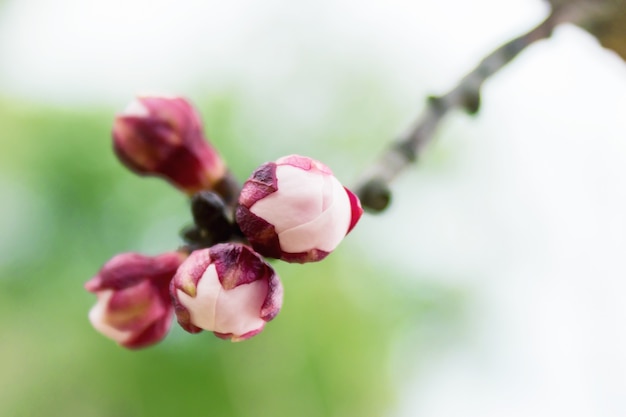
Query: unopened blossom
point(227, 289)
point(134, 307)
point(295, 209)
point(163, 137)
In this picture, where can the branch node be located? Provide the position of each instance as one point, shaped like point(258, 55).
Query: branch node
point(471, 102)
point(375, 195)
point(436, 103)
point(406, 151)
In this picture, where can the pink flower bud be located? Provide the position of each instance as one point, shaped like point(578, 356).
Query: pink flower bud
point(227, 289)
point(162, 136)
point(294, 209)
point(134, 308)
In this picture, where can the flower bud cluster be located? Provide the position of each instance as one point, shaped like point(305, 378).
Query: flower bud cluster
point(293, 209)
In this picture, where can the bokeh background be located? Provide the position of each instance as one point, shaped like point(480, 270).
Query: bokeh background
point(494, 285)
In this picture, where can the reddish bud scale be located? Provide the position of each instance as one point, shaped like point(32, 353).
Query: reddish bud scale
point(127, 269)
point(261, 234)
point(356, 211)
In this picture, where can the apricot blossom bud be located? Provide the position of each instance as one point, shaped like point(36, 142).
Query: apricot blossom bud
point(134, 308)
point(163, 137)
point(227, 289)
point(294, 209)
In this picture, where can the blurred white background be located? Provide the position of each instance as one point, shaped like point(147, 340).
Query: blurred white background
point(525, 208)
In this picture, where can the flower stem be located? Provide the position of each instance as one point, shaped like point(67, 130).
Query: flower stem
point(373, 187)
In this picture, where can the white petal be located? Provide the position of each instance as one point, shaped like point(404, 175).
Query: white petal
point(97, 317)
point(326, 231)
point(327, 191)
point(239, 309)
point(298, 200)
point(234, 311)
point(136, 108)
point(202, 306)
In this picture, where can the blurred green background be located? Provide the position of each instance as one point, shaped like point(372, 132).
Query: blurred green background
point(493, 286)
point(68, 206)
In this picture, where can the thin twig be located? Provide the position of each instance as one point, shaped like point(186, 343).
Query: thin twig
point(373, 189)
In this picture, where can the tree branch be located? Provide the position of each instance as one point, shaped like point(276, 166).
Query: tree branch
point(373, 188)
